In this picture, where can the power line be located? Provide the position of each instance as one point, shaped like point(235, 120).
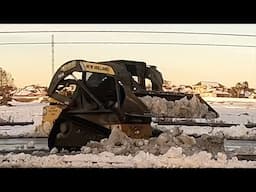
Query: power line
point(24, 43)
point(125, 31)
point(128, 43)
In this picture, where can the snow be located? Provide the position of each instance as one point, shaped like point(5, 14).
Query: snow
point(173, 158)
point(30, 144)
point(165, 151)
point(230, 100)
point(21, 112)
point(189, 108)
point(234, 110)
point(231, 110)
point(233, 132)
point(54, 150)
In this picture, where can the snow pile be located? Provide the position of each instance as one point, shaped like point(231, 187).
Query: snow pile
point(119, 144)
point(189, 108)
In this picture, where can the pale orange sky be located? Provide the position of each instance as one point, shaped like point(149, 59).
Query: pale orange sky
point(31, 64)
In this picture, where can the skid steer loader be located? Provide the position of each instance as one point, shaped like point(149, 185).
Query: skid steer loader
point(91, 98)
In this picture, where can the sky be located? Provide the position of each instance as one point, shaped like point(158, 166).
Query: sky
point(180, 64)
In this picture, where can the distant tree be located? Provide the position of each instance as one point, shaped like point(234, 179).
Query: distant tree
point(245, 85)
point(6, 83)
point(6, 79)
point(233, 92)
point(240, 89)
point(238, 85)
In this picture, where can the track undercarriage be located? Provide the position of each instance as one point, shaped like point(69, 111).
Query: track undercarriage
point(71, 132)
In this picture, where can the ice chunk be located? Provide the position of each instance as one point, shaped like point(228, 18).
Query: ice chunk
point(54, 150)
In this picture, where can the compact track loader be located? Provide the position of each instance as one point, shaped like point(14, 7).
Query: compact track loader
point(91, 98)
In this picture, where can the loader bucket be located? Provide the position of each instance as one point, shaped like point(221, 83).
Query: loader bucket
point(179, 105)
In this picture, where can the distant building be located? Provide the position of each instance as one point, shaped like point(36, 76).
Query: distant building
point(210, 89)
point(185, 89)
point(29, 93)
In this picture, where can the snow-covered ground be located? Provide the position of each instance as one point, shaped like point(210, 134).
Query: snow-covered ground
point(234, 110)
point(231, 110)
point(21, 112)
point(240, 111)
point(172, 159)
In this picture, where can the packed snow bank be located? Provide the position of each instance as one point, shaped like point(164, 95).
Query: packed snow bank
point(189, 108)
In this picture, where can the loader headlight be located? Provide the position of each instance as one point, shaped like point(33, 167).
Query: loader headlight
point(120, 83)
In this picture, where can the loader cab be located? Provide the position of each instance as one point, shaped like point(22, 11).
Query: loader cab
point(86, 86)
point(105, 88)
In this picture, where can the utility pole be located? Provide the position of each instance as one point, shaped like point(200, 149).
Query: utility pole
point(52, 55)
